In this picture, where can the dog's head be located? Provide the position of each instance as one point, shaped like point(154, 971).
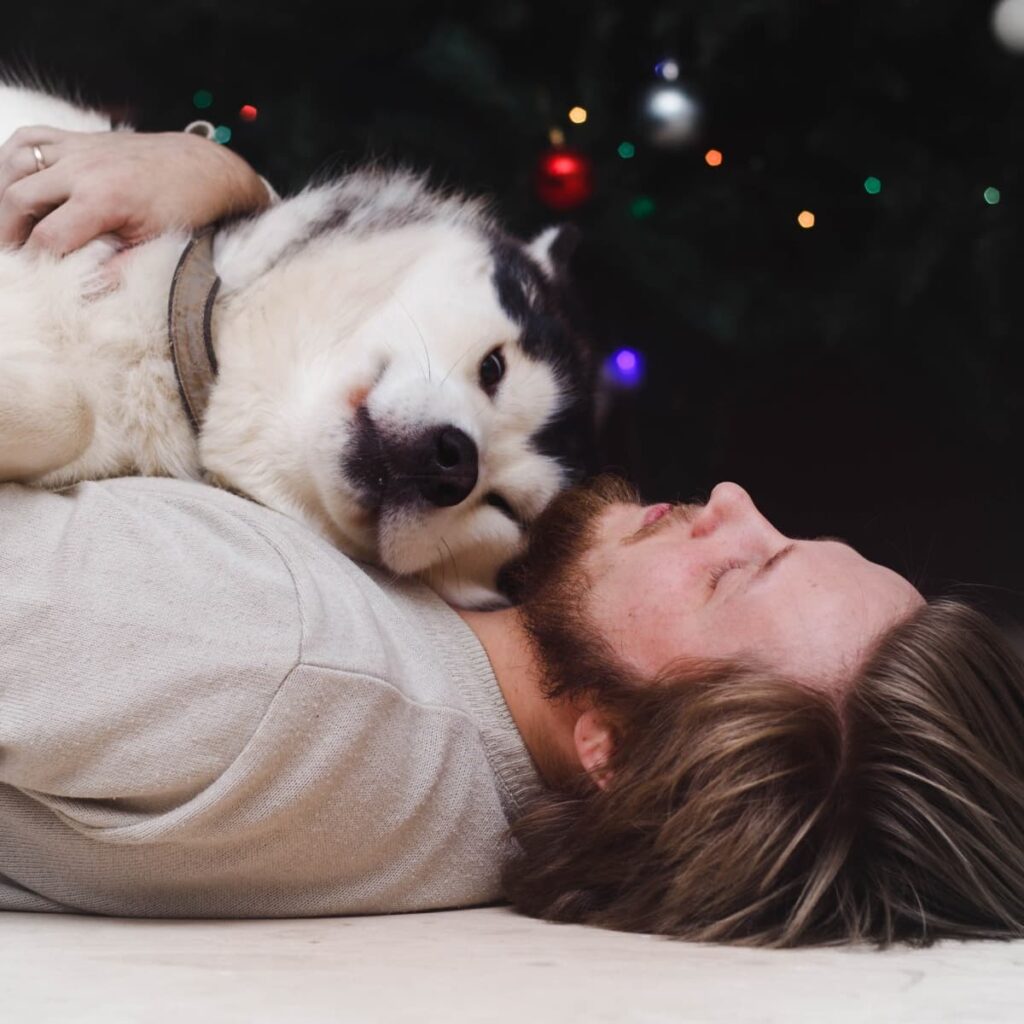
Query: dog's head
point(432, 394)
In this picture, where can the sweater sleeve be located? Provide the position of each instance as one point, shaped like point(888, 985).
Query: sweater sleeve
point(141, 643)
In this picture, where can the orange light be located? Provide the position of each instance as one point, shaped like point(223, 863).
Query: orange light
point(248, 112)
point(577, 115)
point(713, 158)
point(806, 219)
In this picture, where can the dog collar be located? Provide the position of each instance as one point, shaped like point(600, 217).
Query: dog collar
point(189, 313)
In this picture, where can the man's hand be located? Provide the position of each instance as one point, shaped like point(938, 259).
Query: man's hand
point(132, 185)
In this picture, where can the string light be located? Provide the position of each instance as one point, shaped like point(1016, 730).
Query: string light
point(625, 367)
point(248, 112)
point(202, 98)
point(222, 134)
point(642, 206)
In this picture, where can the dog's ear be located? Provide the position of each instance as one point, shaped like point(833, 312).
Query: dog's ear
point(553, 249)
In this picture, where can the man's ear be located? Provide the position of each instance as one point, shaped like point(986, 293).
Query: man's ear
point(594, 740)
point(553, 248)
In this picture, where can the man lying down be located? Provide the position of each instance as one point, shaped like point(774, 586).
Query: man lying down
point(693, 724)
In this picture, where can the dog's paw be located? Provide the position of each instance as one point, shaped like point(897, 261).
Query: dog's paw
point(104, 257)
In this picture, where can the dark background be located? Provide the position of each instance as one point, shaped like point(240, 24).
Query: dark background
point(860, 378)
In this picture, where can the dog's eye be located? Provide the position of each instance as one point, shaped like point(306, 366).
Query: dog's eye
point(497, 501)
point(492, 369)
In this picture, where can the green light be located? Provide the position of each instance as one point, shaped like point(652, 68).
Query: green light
point(222, 134)
point(642, 206)
point(992, 196)
point(202, 98)
point(627, 150)
point(872, 186)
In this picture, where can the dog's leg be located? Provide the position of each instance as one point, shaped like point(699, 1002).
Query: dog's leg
point(45, 421)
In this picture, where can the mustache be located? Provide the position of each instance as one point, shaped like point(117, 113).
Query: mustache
point(681, 512)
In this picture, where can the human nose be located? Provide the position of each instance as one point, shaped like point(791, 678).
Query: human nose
point(728, 503)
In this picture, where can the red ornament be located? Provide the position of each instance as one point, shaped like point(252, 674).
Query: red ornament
point(564, 179)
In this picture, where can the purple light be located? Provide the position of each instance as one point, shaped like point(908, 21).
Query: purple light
point(625, 366)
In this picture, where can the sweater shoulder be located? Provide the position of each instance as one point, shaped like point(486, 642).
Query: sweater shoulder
point(349, 616)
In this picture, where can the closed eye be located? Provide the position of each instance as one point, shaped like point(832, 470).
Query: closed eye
point(720, 570)
point(495, 500)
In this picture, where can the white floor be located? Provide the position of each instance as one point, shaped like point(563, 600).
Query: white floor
point(476, 966)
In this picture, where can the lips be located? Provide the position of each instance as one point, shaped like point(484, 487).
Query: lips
point(655, 512)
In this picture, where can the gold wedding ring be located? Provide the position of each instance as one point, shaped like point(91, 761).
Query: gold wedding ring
point(38, 154)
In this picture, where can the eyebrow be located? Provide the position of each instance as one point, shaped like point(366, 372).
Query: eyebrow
point(774, 560)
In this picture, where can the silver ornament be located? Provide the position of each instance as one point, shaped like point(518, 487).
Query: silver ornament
point(669, 116)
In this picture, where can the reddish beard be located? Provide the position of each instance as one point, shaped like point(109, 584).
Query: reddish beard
point(553, 586)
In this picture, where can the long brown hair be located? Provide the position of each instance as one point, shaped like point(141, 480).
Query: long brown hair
point(747, 808)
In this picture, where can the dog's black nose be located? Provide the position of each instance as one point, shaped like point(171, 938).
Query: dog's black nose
point(449, 470)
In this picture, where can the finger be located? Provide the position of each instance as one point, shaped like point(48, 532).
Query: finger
point(28, 201)
point(21, 164)
point(26, 161)
point(68, 227)
point(33, 135)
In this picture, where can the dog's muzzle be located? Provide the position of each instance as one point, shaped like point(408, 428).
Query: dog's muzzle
point(439, 466)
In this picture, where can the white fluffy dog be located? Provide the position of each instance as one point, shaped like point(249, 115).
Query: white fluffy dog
point(391, 368)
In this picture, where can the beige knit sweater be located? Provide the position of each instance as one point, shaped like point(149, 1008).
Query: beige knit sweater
point(205, 710)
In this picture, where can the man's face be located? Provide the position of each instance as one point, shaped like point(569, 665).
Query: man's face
point(718, 581)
